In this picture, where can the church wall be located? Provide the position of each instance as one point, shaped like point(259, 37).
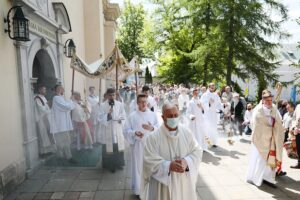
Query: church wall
point(110, 37)
point(76, 15)
point(93, 31)
point(12, 161)
point(18, 145)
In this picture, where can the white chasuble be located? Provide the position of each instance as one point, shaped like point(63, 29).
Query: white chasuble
point(264, 127)
point(161, 148)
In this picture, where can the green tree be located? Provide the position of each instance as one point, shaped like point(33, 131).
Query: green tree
point(214, 40)
point(245, 25)
point(174, 39)
point(130, 32)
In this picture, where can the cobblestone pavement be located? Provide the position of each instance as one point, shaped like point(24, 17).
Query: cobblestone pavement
point(221, 177)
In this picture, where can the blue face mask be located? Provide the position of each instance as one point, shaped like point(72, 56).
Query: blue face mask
point(173, 122)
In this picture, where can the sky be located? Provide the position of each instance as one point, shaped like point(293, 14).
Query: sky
point(290, 26)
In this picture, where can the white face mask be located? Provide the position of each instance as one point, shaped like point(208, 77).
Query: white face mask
point(173, 122)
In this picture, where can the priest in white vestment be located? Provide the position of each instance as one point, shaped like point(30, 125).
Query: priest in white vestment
point(80, 115)
point(61, 123)
point(93, 100)
point(183, 100)
point(42, 112)
point(212, 105)
point(197, 123)
point(138, 126)
point(171, 160)
point(112, 117)
point(267, 142)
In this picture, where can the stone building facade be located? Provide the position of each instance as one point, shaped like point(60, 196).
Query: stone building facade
point(91, 24)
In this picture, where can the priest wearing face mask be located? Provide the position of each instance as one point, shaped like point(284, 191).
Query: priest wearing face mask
point(267, 142)
point(171, 160)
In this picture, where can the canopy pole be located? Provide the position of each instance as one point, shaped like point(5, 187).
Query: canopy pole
point(135, 76)
point(100, 95)
point(73, 77)
point(117, 66)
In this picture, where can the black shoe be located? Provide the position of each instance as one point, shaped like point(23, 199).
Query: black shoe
point(296, 166)
point(112, 170)
point(72, 161)
point(214, 146)
point(281, 173)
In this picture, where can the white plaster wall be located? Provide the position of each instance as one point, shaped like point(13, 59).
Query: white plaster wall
point(11, 142)
point(93, 36)
point(76, 15)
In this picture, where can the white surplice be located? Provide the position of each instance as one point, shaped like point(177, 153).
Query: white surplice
point(42, 112)
point(161, 148)
point(198, 125)
point(93, 100)
point(61, 125)
point(183, 101)
point(134, 123)
point(80, 117)
point(60, 115)
point(212, 104)
point(113, 130)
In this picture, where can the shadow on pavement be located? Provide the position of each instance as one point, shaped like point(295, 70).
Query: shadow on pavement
point(245, 141)
point(209, 158)
point(219, 151)
point(286, 188)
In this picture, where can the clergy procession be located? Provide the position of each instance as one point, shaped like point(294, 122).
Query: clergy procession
point(168, 129)
point(150, 100)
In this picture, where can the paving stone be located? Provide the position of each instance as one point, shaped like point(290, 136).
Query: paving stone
point(25, 196)
point(87, 194)
point(11, 196)
point(128, 184)
point(112, 185)
point(42, 174)
point(212, 193)
point(129, 195)
point(221, 177)
point(31, 186)
point(43, 196)
point(85, 185)
point(241, 192)
point(57, 185)
point(109, 195)
point(58, 195)
point(90, 175)
point(71, 195)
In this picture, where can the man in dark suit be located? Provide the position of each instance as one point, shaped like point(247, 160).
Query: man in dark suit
point(237, 108)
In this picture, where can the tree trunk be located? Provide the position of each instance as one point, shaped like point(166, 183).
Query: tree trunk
point(230, 40)
point(205, 70)
point(207, 30)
